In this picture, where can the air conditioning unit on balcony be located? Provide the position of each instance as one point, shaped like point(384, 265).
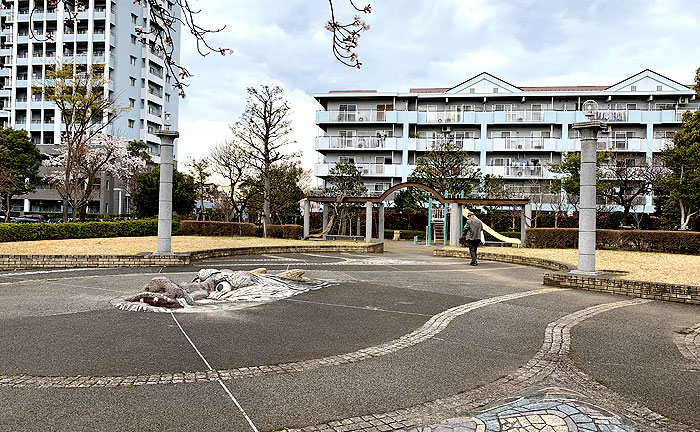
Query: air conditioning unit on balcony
point(446, 129)
point(360, 119)
point(607, 129)
point(682, 101)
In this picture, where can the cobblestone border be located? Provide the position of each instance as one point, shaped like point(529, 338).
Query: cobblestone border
point(551, 365)
point(688, 294)
point(431, 328)
point(688, 343)
point(27, 262)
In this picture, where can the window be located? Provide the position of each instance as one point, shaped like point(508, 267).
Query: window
point(500, 162)
point(665, 106)
point(133, 39)
point(131, 123)
point(502, 107)
point(659, 88)
point(346, 159)
point(631, 106)
point(472, 90)
point(167, 97)
point(132, 102)
point(468, 107)
point(633, 88)
point(134, 18)
point(132, 80)
point(132, 60)
point(495, 89)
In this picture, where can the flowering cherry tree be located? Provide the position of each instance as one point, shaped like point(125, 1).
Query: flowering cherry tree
point(103, 153)
point(166, 16)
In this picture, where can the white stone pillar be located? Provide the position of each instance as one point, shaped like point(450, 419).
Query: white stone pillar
point(525, 221)
point(380, 234)
point(455, 228)
point(368, 222)
point(307, 218)
point(165, 196)
point(587, 201)
point(27, 205)
point(325, 216)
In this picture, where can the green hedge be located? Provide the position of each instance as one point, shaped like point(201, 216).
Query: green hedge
point(405, 234)
point(208, 228)
point(76, 230)
point(685, 242)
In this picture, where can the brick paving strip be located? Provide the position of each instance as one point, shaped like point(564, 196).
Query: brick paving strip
point(688, 343)
point(551, 364)
point(431, 328)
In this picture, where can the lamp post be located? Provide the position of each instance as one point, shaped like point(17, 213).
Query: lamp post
point(165, 196)
point(587, 195)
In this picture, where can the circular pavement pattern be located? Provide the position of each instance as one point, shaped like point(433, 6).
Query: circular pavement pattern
point(399, 341)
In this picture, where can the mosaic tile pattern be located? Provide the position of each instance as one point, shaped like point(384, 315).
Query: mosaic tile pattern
point(688, 343)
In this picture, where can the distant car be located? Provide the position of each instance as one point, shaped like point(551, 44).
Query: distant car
point(29, 219)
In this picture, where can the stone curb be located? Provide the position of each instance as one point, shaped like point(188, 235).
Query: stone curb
point(26, 262)
point(688, 294)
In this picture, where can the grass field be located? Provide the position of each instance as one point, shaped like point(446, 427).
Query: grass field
point(644, 266)
point(135, 245)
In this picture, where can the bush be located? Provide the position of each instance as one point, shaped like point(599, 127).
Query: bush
point(76, 230)
point(208, 228)
point(686, 242)
point(283, 231)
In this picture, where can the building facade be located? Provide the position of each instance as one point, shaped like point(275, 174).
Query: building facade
point(510, 131)
point(35, 35)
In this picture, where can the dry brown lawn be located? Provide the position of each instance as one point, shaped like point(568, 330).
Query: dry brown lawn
point(135, 245)
point(644, 266)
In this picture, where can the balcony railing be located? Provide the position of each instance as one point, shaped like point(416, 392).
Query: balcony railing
point(679, 114)
point(337, 142)
point(358, 116)
point(611, 115)
point(444, 117)
point(524, 116)
point(524, 143)
point(522, 171)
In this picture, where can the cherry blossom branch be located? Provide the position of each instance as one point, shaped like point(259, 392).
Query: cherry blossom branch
point(346, 36)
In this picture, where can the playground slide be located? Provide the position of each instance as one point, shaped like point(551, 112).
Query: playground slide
point(491, 231)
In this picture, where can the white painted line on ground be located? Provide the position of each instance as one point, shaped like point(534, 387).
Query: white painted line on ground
point(280, 258)
point(323, 256)
point(13, 274)
point(366, 308)
point(221, 383)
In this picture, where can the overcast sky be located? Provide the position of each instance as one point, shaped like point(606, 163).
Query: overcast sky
point(423, 43)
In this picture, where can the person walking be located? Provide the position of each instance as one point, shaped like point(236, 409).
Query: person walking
point(474, 233)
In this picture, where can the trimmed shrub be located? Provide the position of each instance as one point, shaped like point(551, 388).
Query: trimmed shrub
point(76, 230)
point(284, 231)
point(209, 228)
point(685, 242)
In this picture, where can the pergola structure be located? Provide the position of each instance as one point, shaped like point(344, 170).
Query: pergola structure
point(454, 203)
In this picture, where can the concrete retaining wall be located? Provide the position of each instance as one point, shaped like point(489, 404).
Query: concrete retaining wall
point(25, 262)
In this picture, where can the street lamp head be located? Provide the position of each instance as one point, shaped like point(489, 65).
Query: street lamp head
point(167, 120)
point(589, 108)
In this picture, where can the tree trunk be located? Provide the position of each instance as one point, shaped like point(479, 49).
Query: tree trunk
point(7, 209)
point(266, 202)
point(625, 214)
point(65, 210)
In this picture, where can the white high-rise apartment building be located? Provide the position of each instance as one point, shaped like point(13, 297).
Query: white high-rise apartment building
point(510, 131)
point(34, 35)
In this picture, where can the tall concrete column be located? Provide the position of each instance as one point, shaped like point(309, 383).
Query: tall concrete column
point(380, 234)
point(165, 196)
point(587, 196)
point(325, 216)
point(307, 218)
point(525, 222)
point(368, 222)
point(455, 228)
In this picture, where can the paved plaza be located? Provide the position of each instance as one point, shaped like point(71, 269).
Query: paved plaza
point(395, 341)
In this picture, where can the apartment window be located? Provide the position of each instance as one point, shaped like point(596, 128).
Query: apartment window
point(495, 89)
point(472, 90)
point(500, 161)
point(134, 18)
point(133, 39)
point(346, 159)
point(631, 106)
point(132, 80)
point(132, 102)
point(633, 88)
point(132, 60)
point(659, 88)
point(131, 123)
point(665, 106)
point(468, 107)
point(502, 107)
point(167, 97)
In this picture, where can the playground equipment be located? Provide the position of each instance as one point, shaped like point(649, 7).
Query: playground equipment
point(493, 232)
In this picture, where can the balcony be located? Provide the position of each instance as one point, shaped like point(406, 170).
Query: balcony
point(366, 169)
point(467, 144)
point(524, 116)
point(523, 171)
point(524, 143)
point(355, 142)
point(359, 116)
point(611, 115)
point(622, 144)
point(679, 114)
